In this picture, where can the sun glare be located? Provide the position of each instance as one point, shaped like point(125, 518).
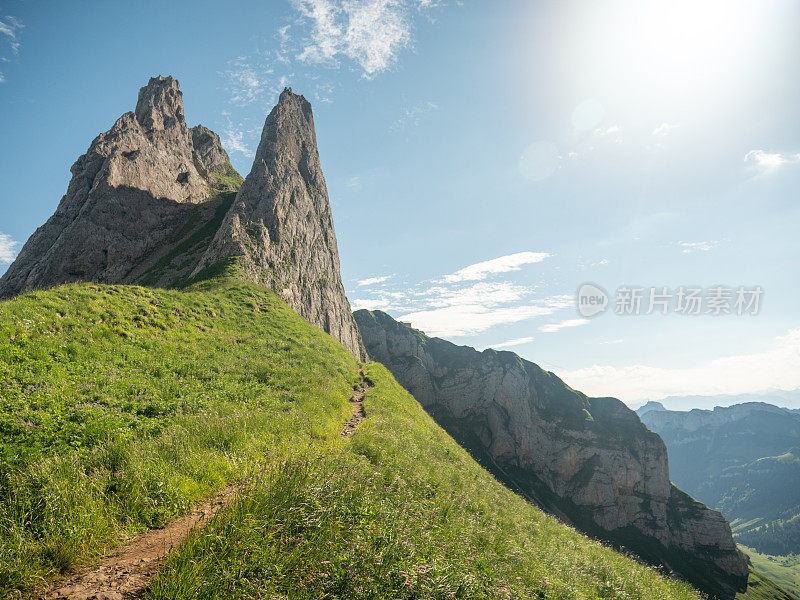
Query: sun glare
point(662, 52)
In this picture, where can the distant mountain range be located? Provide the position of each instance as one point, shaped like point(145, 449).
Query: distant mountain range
point(785, 398)
point(743, 460)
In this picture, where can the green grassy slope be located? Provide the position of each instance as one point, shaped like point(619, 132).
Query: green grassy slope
point(783, 570)
point(120, 406)
point(761, 588)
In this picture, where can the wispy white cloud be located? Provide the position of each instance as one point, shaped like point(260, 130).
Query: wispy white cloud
point(376, 32)
point(485, 293)
point(370, 33)
point(365, 35)
point(767, 162)
point(610, 130)
point(503, 264)
point(236, 137)
point(469, 319)
point(382, 303)
point(691, 247)
point(423, 5)
point(326, 31)
point(323, 92)
point(512, 343)
point(354, 183)
point(466, 302)
point(453, 310)
point(560, 301)
point(412, 115)
point(553, 327)
point(664, 130)
point(8, 248)
point(9, 28)
point(778, 367)
point(248, 79)
point(234, 140)
point(374, 280)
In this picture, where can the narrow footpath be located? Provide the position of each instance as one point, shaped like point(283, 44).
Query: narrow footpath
point(125, 573)
point(357, 402)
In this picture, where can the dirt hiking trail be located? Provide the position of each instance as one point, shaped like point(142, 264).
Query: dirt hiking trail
point(357, 402)
point(125, 573)
point(127, 570)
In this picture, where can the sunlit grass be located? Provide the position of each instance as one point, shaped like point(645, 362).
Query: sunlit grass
point(400, 511)
point(121, 406)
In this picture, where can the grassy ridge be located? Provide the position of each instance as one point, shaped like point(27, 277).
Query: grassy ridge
point(120, 406)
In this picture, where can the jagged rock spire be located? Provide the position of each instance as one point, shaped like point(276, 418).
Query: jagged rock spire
point(160, 105)
point(281, 224)
point(150, 182)
point(134, 189)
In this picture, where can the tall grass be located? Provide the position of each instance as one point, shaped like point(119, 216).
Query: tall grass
point(122, 406)
point(401, 511)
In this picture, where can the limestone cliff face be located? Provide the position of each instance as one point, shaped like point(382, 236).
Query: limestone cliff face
point(281, 226)
point(137, 185)
point(152, 202)
point(588, 460)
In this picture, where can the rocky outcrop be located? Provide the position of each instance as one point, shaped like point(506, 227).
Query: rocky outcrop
point(152, 202)
point(281, 226)
point(649, 406)
point(139, 184)
point(589, 461)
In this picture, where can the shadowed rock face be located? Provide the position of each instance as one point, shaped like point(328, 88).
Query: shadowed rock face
point(589, 461)
point(152, 202)
point(281, 224)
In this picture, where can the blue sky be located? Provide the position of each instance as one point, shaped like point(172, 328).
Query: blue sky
point(553, 143)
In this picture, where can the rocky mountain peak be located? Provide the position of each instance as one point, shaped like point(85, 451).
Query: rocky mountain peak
point(155, 202)
point(139, 184)
point(281, 225)
point(209, 153)
point(289, 136)
point(160, 105)
point(650, 405)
